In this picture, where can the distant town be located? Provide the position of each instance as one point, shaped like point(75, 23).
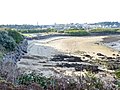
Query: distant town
point(65, 26)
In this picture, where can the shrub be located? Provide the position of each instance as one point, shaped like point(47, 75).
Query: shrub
point(27, 79)
point(117, 73)
point(77, 32)
point(7, 41)
point(61, 31)
point(37, 30)
point(15, 35)
point(104, 30)
point(87, 82)
point(1, 55)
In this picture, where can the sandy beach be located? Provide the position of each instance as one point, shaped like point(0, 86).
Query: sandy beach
point(90, 45)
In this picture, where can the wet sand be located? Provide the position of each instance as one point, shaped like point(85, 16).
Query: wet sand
point(112, 38)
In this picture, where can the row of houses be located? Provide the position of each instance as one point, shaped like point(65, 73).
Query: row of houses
point(65, 26)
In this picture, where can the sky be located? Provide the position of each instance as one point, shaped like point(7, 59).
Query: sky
point(58, 11)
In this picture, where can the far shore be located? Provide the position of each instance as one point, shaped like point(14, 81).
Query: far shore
point(39, 36)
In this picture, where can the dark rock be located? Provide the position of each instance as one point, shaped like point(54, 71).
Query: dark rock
point(113, 45)
point(117, 55)
point(92, 68)
point(66, 58)
point(110, 58)
point(97, 43)
point(80, 67)
point(102, 57)
point(39, 57)
point(29, 57)
point(88, 56)
point(99, 54)
point(113, 66)
point(113, 54)
point(42, 62)
point(118, 58)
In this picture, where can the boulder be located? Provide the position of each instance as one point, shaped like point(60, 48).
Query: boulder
point(92, 68)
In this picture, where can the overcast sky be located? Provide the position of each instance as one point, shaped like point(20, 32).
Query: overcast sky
point(58, 11)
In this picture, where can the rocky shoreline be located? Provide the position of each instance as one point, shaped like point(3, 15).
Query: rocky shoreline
point(41, 56)
point(112, 42)
point(112, 38)
point(8, 67)
point(16, 55)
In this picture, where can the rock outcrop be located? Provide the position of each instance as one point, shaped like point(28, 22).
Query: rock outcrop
point(16, 55)
point(8, 67)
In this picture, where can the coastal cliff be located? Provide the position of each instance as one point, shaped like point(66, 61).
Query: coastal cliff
point(15, 56)
point(8, 67)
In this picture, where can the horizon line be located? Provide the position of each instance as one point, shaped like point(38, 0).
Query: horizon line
point(61, 23)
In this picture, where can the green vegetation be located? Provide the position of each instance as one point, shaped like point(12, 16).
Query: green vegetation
point(76, 32)
point(37, 30)
point(1, 55)
point(61, 31)
point(27, 79)
point(88, 82)
point(8, 40)
point(104, 30)
point(72, 32)
point(15, 35)
point(117, 73)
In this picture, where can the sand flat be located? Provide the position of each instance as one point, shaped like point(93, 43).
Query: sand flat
point(86, 44)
